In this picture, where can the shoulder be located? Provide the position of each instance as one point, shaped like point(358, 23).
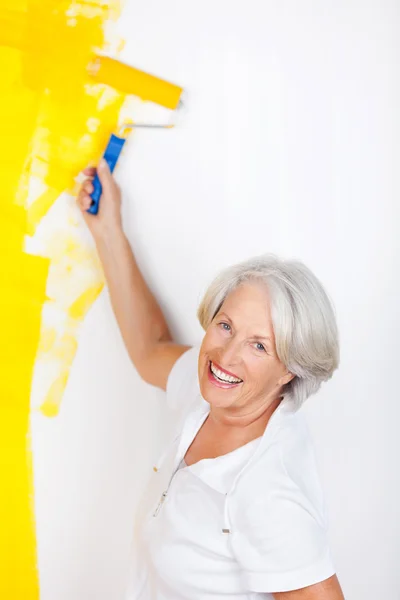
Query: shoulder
point(278, 511)
point(286, 453)
point(284, 470)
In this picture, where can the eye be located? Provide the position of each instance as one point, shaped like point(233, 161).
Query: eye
point(224, 325)
point(261, 348)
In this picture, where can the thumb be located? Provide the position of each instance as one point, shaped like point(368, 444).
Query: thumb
point(105, 176)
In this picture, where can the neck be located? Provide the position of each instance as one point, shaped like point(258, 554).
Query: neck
point(247, 423)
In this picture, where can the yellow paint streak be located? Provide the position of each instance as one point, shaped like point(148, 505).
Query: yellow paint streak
point(39, 208)
point(51, 405)
point(47, 340)
point(79, 308)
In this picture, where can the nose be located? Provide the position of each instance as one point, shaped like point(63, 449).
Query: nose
point(230, 354)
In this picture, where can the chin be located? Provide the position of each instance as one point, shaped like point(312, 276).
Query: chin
point(214, 395)
point(214, 399)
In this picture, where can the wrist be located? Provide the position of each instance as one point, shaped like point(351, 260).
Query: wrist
point(108, 237)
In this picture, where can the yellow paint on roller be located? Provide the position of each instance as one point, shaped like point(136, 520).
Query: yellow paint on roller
point(135, 82)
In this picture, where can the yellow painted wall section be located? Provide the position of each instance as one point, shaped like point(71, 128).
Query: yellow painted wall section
point(22, 293)
point(44, 107)
point(56, 118)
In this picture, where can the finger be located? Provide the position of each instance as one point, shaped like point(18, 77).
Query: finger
point(84, 201)
point(106, 179)
point(88, 186)
point(79, 197)
point(89, 171)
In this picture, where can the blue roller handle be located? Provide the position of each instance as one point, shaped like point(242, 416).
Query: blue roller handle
point(111, 154)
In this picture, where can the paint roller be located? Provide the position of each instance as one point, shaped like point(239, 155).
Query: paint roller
point(102, 69)
point(132, 81)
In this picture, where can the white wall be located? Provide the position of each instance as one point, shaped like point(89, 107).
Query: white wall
point(288, 144)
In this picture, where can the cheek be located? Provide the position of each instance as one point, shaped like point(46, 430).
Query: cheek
point(212, 339)
point(261, 372)
point(206, 349)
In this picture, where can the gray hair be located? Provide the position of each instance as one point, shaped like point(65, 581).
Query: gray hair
point(303, 317)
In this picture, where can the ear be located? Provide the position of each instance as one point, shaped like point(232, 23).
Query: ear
point(286, 378)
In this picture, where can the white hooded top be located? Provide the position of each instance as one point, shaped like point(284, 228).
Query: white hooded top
point(237, 527)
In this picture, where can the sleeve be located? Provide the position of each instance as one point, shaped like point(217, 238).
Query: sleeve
point(281, 543)
point(183, 382)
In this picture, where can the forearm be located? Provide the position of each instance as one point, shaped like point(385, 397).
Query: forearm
point(138, 314)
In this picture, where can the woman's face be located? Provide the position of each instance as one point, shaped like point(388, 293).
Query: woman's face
point(240, 340)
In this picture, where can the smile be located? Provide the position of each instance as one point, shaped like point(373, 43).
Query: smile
point(221, 377)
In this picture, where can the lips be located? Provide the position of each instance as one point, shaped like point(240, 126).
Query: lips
point(225, 371)
point(216, 382)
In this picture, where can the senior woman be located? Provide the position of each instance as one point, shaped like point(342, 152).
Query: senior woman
point(234, 508)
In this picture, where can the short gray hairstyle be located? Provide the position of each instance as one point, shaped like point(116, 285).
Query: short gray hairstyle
point(303, 317)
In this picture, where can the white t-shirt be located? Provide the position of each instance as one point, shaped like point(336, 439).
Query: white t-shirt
point(237, 527)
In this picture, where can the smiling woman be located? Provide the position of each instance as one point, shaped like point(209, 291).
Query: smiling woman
point(234, 507)
point(286, 309)
point(231, 342)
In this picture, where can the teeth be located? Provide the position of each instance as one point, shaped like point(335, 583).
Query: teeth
point(224, 376)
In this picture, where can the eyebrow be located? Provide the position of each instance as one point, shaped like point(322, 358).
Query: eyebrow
point(256, 337)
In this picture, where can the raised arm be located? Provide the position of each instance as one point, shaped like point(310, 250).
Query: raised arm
point(140, 319)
